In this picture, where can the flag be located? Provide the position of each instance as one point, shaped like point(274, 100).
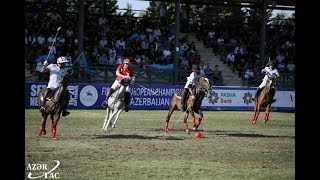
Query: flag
point(50, 58)
point(83, 64)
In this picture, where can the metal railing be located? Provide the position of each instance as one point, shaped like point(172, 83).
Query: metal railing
point(106, 74)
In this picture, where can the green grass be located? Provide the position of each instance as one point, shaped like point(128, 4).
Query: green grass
point(138, 148)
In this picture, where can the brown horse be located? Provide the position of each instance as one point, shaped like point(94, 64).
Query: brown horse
point(263, 100)
point(54, 106)
point(193, 104)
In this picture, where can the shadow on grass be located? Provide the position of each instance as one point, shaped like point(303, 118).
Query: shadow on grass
point(258, 135)
point(133, 136)
point(239, 134)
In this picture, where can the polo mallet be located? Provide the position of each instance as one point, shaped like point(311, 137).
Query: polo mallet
point(153, 92)
point(179, 118)
point(54, 40)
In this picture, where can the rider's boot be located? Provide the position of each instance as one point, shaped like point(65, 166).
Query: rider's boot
point(105, 103)
point(258, 91)
point(64, 111)
point(273, 92)
point(183, 99)
point(126, 101)
point(45, 94)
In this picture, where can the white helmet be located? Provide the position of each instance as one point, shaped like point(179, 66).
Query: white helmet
point(62, 60)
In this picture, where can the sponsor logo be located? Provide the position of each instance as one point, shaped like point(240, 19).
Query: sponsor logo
point(213, 97)
point(247, 98)
point(88, 95)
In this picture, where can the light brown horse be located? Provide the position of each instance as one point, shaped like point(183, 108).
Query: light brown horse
point(263, 100)
point(54, 106)
point(193, 104)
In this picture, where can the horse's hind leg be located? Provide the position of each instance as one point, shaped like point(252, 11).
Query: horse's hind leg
point(109, 120)
point(106, 119)
point(54, 127)
point(266, 115)
point(116, 118)
point(185, 125)
point(256, 113)
point(42, 130)
point(194, 123)
point(166, 126)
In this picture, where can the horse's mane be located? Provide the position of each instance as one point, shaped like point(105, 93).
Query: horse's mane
point(203, 83)
point(60, 94)
point(264, 96)
point(268, 85)
point(65, 79)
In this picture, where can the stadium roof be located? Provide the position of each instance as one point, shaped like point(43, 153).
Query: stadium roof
point(272, 4)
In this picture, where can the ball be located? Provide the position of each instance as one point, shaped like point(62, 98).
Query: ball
point(197, 135)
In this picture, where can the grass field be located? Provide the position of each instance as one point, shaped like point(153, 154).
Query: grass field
point(138, 148)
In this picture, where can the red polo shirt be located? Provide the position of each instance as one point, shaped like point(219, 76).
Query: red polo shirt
point(123, 71)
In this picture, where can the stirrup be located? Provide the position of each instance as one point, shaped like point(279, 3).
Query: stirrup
point(273, 100)
point(65, 113)
point(42, 109)
point(126, 108)
point(104, 104)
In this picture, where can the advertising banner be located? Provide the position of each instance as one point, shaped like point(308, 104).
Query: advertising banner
point(157, 97)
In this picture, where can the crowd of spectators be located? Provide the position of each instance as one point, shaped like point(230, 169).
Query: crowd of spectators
point(110, 39)
point(239, 48)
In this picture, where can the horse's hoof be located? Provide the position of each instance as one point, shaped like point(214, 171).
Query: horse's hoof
point(187, 131)
point(194, 128)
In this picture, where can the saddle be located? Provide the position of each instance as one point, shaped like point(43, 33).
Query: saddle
point(50, 94)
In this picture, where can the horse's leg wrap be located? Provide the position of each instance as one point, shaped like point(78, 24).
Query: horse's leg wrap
point(255, 117)
point(194, 121)
point(126, 100)
point(53, 134)
point(43, 127)
point(185, 126)
point(166, 127)
point(51, 125)
point(266, 116)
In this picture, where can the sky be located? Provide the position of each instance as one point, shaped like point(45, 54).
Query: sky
point(136, 4)
point(142, 5)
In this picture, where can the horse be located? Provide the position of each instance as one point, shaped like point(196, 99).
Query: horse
point(264, 100)
point(193, 104)
point(54, 105)
point(116, 104)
